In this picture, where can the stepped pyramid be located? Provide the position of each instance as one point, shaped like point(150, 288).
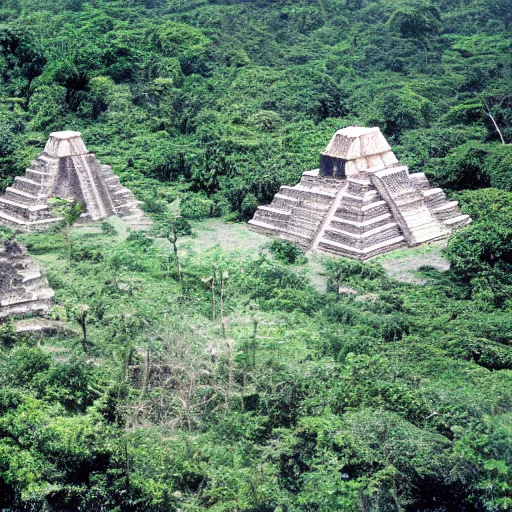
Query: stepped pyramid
point(23, 288)
point(361, 202)
point(66, 169)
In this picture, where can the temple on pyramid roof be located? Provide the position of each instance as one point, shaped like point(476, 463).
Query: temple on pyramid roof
point(23, 287)
point(360, 203)
point(68, 170)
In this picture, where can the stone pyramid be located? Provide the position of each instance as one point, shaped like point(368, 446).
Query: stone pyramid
point(361, 202)
point(23, 288)
point(65, 169)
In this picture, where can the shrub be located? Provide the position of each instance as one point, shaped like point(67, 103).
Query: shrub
point(196, 207)
point(286, 252)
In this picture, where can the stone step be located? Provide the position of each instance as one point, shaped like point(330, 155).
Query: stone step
point(371, 206)
point(302, 222)
point(12, 219)
point(306, 193)
point(366, 253)
point(357, 190)
point(23, 296)
point(420, 222)
point(333, 233)
point(38, 176)
point(419, 181)
point(277, 222)
point(33, 278)
point(286, 198)
point(273, 211)
point(447, 210)
point(34, 305)
point(283, 202)
point(43, 163)
point(362, 213)
point(262, 226)
point(367, 197)
point(121, 192)
point(26, 184)
point(361, 181)
point(45, 222)
point(114, 188)
point(429, 232)
point(432, 192)
point(20, 196)
point(23, 210)
point(360, 226)
point(308, 213)
point(299, 230)
point(300, 234)
point(434, 198)
point(43, 157)
point(458, 222)
point(15, 207)
point(131, 205)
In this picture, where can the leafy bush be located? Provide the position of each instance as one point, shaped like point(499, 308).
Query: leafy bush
point(481, 254)
point(287, 252)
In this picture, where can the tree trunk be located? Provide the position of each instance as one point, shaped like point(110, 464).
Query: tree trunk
point(222, 305)
point(147, 369)
point(254, 332)
point(487, 111)
point(174, 242)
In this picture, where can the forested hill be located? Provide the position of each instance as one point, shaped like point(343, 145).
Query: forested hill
point(199, 367)
point(233, 98)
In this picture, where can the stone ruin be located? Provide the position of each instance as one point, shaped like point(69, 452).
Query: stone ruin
point(68, 170)
point(361, 202)
point(23, 288)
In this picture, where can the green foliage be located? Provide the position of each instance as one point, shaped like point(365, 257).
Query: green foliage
point(481, 254)
point(286, 252)
point(8, 334)
point(6, 234)
point(217, 381)
point(475, 165)
point(68, 210)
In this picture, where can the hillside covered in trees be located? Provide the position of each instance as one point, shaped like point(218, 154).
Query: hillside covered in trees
point(223, 381)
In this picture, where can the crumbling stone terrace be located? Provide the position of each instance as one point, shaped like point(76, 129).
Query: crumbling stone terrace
point(23, 287)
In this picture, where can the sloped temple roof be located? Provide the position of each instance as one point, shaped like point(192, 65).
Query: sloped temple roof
point(360, 203)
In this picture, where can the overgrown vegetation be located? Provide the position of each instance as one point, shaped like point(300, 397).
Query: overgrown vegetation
point(220, 102)
point(214, 381)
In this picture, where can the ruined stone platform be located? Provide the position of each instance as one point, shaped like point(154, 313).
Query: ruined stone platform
point(360, 203)
point(23, 287)
point(68, 170)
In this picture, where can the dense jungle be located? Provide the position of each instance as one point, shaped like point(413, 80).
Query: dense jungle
point(251, 379)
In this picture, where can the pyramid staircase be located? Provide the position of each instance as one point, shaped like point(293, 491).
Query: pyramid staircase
point(373, 207)
point(23, 288)
point(362, 225)
point(66, 169)
point(296, 213)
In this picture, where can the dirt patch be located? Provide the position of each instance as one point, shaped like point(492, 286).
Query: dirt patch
point(229, 237)
point(403, 265)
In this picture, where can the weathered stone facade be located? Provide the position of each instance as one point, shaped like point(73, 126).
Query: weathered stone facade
point(66, 169)
point(361, 202)
point(23, 288)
